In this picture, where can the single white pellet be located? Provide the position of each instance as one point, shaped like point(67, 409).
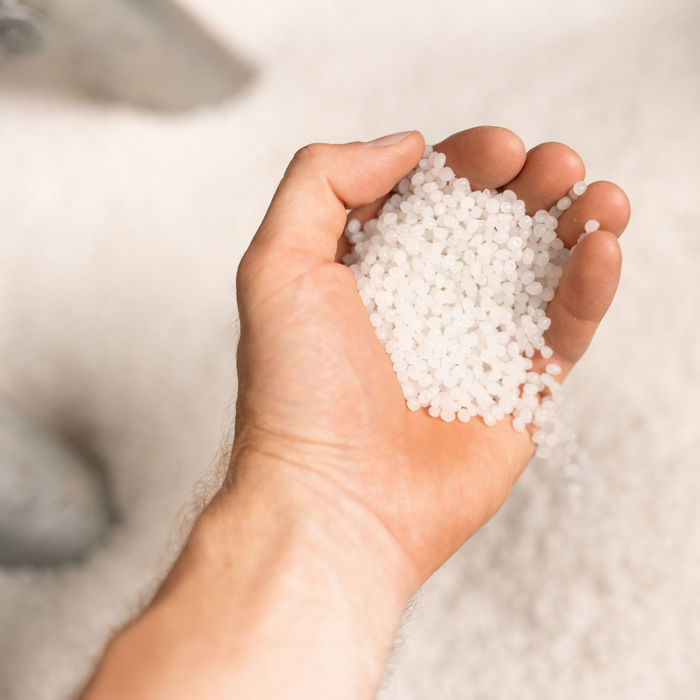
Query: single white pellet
point(591, 226)
point(463, 415)
point(579, 188)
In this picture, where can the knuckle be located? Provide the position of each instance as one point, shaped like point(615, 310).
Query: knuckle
point(311, 153)
point(252, 267)
point(243, 271)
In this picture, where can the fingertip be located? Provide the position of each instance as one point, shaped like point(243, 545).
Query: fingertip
point(568, 161)
point(413, 146)
point(549, 171)
point(618, 203)
point(604, 247)
point(417, 140)
point(585, 293)
point(602, 201)
point(592, 275)
point(488, 156)
point(509, 145)
point(513, 147)
point(399, 152)
point(411, 140)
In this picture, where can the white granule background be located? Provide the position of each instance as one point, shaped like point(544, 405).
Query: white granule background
point(120, 232)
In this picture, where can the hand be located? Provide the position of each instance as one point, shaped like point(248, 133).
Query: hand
point(317, 393)
point(340, 501)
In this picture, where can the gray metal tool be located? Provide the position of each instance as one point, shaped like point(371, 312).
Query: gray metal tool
point(53, 500)
point(150, 53)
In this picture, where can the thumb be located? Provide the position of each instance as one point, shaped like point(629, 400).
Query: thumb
point(308, 212)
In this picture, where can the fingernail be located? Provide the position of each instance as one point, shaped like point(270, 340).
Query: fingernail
point(389, 140)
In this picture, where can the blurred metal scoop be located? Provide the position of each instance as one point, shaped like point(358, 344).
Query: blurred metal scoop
point(53, 500)
point(20, 29)
point(150, 53)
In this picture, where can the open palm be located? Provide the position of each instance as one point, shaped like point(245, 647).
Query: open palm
point(318, 393)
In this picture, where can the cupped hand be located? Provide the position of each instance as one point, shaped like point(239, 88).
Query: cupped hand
point(318, 397)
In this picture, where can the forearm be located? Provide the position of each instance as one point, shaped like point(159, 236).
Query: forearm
point(274, 596)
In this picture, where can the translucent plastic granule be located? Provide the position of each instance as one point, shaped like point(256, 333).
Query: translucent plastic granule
point(456, 283)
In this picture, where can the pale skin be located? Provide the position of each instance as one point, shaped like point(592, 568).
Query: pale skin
point(340, 502)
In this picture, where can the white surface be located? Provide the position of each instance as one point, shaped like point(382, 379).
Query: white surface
point(119, 237)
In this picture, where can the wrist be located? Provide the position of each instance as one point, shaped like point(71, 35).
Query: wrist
point(316, 489)
point(320, 581)
point(322, 563)
point(281, 591)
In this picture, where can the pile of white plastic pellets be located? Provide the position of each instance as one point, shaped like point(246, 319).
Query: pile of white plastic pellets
point(456, 282)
